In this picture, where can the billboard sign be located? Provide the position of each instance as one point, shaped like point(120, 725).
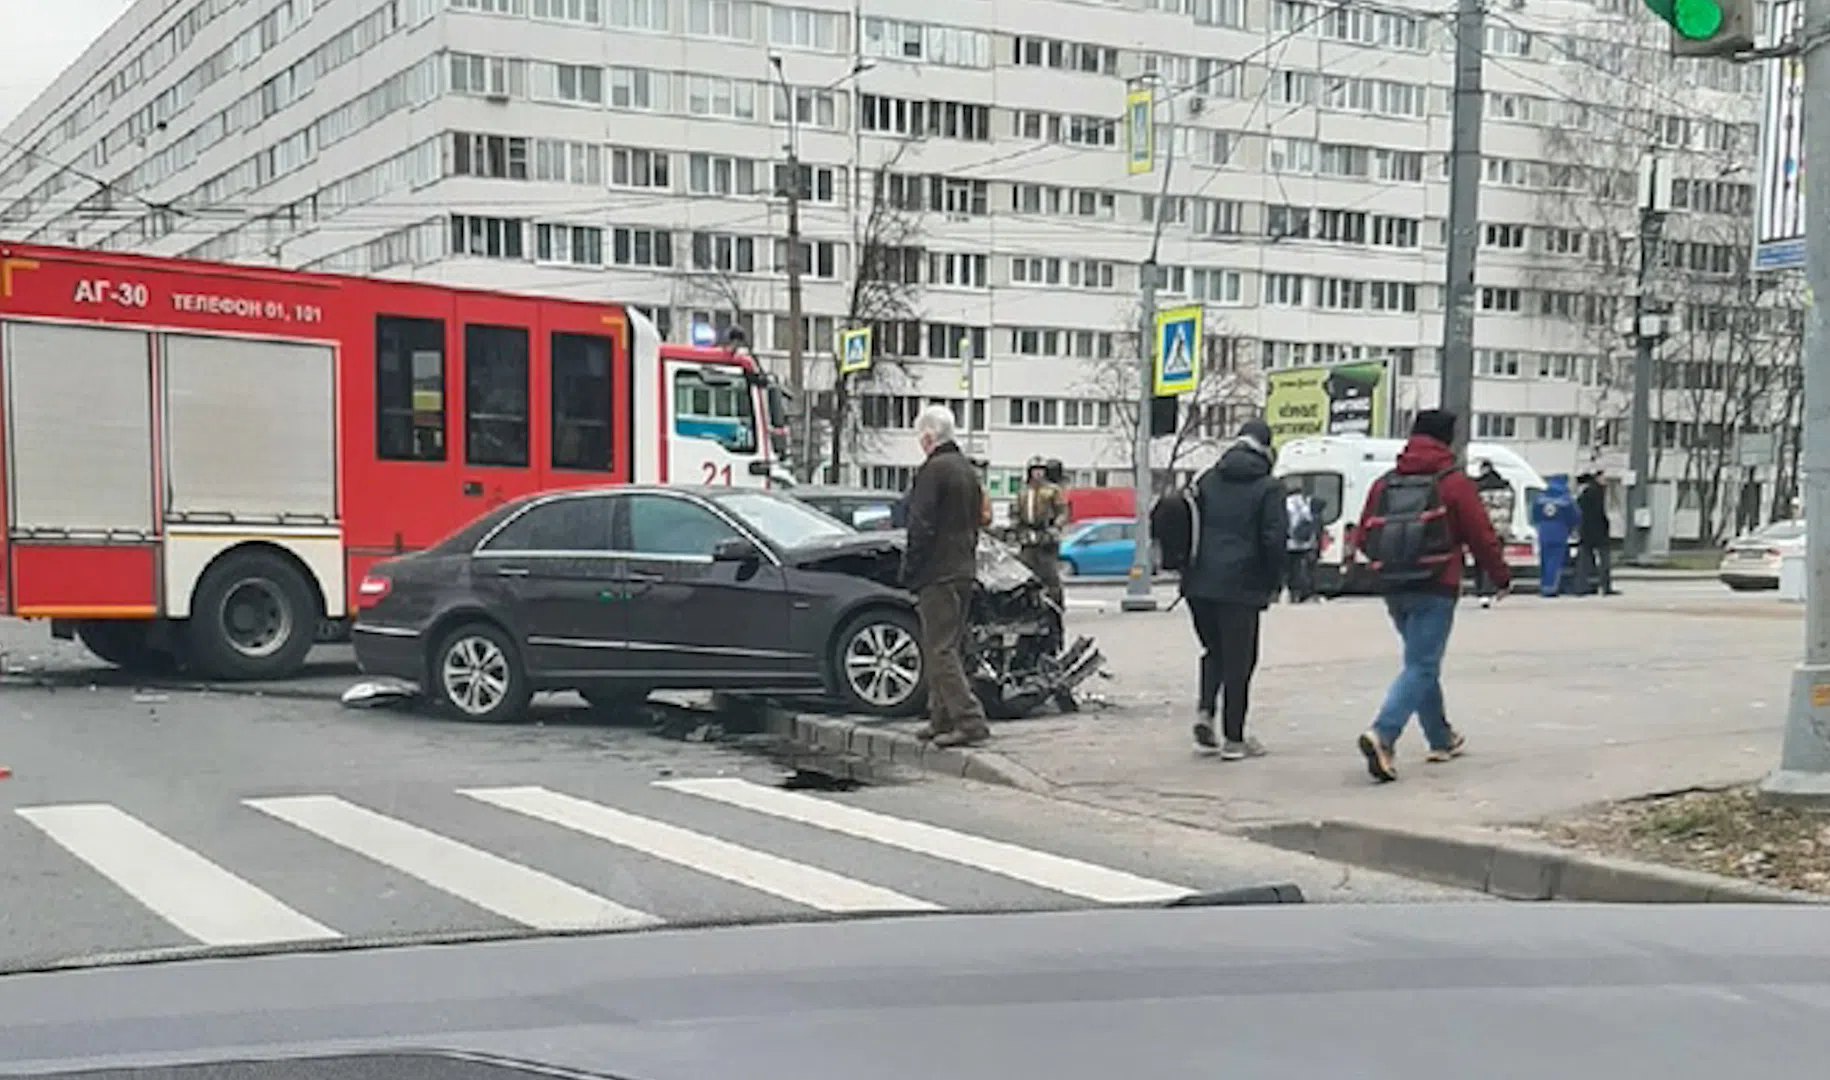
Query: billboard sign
point(1332, 399)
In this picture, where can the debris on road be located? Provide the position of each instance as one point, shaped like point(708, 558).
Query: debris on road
point(1730, 832)
point(373, 695)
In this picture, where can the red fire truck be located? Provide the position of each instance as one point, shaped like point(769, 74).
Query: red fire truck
point(202, 460)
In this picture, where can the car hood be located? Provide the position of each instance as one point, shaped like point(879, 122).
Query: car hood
point(810, 554)
point(878, 555)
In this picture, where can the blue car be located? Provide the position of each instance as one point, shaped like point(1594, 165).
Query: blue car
point(1099, 547)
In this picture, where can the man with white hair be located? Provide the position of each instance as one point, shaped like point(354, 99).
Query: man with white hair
point(940, 565)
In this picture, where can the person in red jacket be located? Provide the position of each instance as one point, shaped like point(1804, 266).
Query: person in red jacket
point(1419, 520)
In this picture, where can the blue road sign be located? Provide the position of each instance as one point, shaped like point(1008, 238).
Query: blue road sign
point(1177, 364)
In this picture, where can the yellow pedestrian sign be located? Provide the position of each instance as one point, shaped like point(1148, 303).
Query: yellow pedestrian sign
point(854, 350)
point(1176, 367)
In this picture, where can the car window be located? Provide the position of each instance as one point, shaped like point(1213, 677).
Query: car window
point(1104, 534)
point(1325, 486)
point(571, 524)
point(664, 525)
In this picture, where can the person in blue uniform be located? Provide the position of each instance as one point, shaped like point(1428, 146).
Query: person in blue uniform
point(1555, 516)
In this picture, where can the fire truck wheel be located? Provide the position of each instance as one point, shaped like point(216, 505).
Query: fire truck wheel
point(254, 617)
point(877, 665)
point(477, 675)
point(127, 645)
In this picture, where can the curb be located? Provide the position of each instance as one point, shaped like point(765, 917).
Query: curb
point(878, 744)
point(1513, 868)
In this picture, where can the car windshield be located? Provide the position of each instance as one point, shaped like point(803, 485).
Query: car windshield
point(783, 522)
point(1782, 530)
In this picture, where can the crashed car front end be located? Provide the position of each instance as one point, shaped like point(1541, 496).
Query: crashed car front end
point(1015, 650)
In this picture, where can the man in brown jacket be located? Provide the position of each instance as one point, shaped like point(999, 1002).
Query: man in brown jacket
point(940, 565)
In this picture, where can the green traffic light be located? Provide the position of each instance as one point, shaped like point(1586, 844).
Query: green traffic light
point(1697, 20)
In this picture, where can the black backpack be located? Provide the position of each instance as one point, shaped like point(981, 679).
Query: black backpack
point(1406, 538)
point(1175, 525)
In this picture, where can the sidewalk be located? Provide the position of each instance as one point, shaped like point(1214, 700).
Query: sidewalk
point(1564, 702)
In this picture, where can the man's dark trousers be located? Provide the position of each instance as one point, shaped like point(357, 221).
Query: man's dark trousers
point(952, 706)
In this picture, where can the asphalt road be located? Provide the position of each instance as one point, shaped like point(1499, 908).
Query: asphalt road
point(139, 821)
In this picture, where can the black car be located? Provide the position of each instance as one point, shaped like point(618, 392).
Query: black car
point(620, 591)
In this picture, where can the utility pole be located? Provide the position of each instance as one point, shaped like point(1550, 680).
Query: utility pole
point(1456, 392)
point(797, 347)
point(1804, 761)
point(1648, 330)
point(1140, 587)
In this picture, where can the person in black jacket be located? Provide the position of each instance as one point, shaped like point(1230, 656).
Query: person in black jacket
point(945, 507)
point(1594, 539)
point(1237, 571)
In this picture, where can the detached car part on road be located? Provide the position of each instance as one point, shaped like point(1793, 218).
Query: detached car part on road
point(619, 592)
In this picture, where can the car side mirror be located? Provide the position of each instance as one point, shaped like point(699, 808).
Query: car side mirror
point(737, 550)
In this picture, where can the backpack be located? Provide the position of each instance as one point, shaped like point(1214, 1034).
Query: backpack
point(1175, 524)
point(1406, 538)
point(1302, 525)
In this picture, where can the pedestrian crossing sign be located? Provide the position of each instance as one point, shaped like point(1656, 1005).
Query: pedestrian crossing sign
point(1177, 364)
point(854, 350)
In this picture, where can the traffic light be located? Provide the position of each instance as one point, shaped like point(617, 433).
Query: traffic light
point(1707, 27)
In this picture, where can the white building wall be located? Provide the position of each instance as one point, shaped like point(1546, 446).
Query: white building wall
point(343, 203)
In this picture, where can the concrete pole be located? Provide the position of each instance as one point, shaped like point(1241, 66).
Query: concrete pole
point(1457, 374)
point(1803, 775)
point(1140, 594)
point(797, 347)
point(1645, 339)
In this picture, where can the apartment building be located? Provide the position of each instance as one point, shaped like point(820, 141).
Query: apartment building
point(964, 159)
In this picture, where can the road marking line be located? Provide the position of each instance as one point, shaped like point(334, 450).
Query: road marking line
point(492, 883)
point(1054, 872)
point(177, 884)
point(802, 884)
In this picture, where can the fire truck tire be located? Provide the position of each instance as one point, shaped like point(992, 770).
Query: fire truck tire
point(476, 674)
point(254, 616)
point(870, 661)
point(127, 645)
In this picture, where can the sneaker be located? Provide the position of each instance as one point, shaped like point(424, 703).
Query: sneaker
point(1486, 601)
point(1446, 753)
point(1244, 748)
point(962, 737)
point(1378, 758)
point(1205, 743)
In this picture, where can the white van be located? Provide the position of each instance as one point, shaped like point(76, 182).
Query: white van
point(1340, 470)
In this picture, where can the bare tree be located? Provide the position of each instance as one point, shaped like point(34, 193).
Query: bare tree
point(1225, 391)
point(1723, 370)
point(887, 271)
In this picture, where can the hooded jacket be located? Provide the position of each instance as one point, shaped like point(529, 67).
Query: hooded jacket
point(1554, 512)
point(1239, 557)
point(1470, 529)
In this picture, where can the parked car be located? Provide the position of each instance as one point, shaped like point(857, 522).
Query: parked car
point(861, 508)
point(1752, 561)
point(620, 591)
point(1100, 547)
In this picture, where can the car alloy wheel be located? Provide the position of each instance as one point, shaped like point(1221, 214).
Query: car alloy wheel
point(476, 675)
point(881, 665)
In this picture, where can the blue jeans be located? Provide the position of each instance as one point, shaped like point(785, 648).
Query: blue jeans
point(1423, 620)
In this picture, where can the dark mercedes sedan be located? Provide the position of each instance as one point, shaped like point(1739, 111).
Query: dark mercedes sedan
point(617, 592)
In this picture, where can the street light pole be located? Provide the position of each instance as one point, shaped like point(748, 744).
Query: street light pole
point(1140, 587)
point(1803, 775)
point(797, 349)
point(1456, 392)
point(1654, 201)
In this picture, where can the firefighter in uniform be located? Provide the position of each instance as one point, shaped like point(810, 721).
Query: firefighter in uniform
point(1038, 516)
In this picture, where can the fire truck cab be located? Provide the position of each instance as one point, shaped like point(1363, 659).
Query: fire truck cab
point(202, 460)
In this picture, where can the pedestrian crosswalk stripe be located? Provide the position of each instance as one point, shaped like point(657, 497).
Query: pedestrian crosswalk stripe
point(807, 885)
point(182, 887)
point(510, 890)
point(1053, 872)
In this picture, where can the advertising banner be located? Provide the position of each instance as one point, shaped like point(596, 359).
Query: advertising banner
point(1335, 399)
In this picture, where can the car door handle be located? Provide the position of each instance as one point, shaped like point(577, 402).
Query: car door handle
point(512, 571)
point(643, 577)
